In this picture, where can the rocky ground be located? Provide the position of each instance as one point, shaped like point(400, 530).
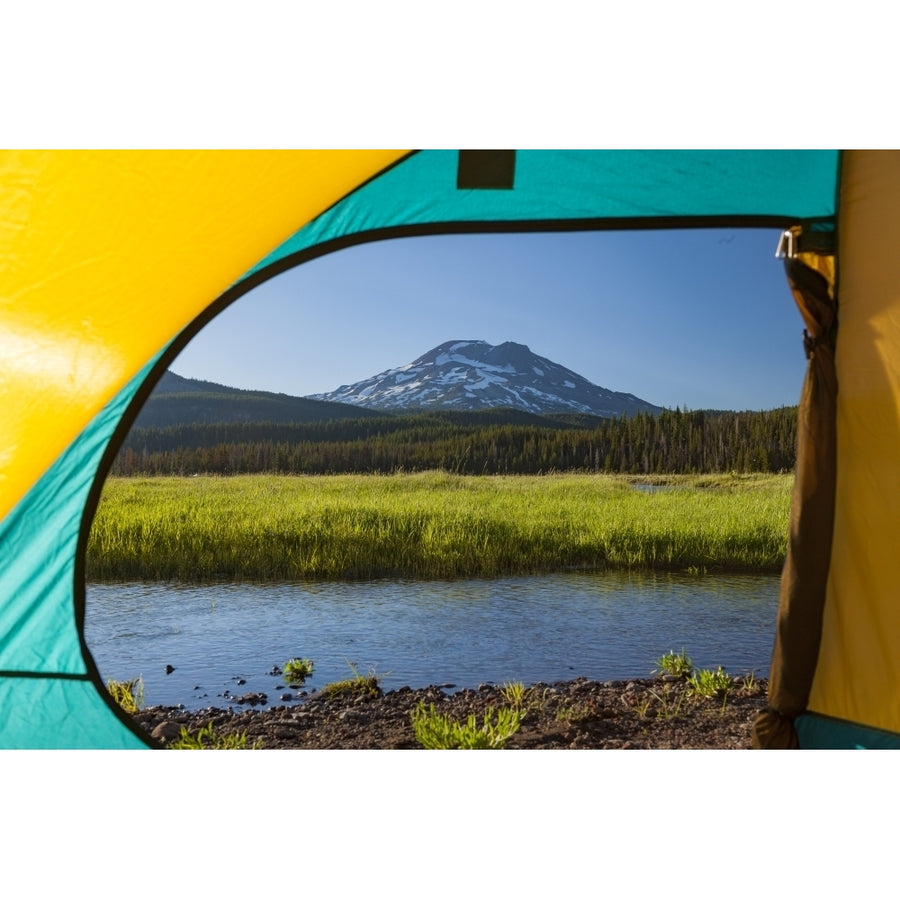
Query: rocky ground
point(648, 714)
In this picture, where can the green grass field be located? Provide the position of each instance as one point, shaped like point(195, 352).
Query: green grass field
point(432, 525)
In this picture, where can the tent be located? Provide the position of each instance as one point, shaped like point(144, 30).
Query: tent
point(110, 261)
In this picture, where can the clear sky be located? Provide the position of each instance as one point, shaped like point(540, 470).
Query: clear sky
point(696, 318)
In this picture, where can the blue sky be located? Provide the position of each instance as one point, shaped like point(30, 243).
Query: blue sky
point(696, 318)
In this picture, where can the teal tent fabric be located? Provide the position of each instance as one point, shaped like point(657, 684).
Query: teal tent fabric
point(50, 695)
point(586, 188)
point(59, 714)
point(817, 732)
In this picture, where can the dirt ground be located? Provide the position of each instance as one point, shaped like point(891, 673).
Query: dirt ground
point(646, 714)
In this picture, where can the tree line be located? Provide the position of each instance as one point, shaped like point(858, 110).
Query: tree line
point(675, 441)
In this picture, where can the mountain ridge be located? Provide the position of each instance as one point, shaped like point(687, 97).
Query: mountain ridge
point(473, 374)
point(177, 400)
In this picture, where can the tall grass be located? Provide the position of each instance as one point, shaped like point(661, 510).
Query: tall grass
point(430, 525)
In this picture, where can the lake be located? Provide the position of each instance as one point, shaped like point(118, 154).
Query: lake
point(461, 633)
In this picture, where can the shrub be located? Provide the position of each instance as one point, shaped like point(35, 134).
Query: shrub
point(515, 694)
point(296, 671)
point(437, 732)
point(707, 683)
point(128, 694)
point(672, 663)
point(207, 739)
point(357, 686)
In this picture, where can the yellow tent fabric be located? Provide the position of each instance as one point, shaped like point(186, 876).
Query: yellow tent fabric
point(858, 672)
point(91, 239)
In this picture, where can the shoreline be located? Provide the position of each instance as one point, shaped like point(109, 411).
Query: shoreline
point(648, 713)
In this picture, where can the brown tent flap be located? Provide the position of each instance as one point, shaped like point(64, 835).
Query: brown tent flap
point(805, 575)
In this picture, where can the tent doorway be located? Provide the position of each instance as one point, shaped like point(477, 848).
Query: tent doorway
point(690, 320)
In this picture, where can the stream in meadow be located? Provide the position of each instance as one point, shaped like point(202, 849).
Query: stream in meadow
point(461, 633)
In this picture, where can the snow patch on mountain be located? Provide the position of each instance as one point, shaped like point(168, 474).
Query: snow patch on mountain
point(478, 375)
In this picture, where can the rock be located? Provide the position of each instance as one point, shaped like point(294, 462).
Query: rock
point(353, 717)
point(286, 697)
point(170, 670)
point(166, 732)
point(252, 699)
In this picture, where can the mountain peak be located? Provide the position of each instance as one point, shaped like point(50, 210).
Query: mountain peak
point(473, 374)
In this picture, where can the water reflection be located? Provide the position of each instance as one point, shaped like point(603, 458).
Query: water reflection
point(530, 629)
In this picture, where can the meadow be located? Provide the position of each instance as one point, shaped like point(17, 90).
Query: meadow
point(432, 525)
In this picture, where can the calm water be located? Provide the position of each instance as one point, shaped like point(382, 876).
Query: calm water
point(460, 633)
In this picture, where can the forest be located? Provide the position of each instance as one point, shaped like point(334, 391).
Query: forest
point(676, 441)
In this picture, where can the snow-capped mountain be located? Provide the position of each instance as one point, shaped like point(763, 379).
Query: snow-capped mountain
point(470, 375)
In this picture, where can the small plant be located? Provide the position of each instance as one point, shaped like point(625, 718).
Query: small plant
point(750, 683)
point(706, 683)
point(577, 712)
point(128, 694)
point(672, 663)
point(296, 671)
point(515, 694)
point(668, 707)
point(437, 732)
point(642, 706)
point(521, 698)
point(357, 686)
point(207, 739)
